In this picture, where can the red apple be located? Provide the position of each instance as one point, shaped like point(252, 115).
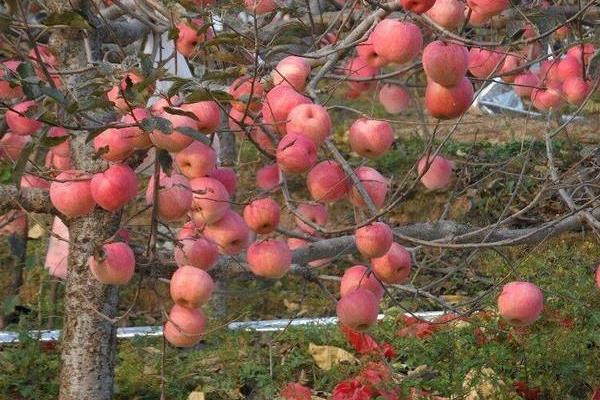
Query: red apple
point(114, 144)
point(524, 84)
point(12, 145)
point(115, 187)
point(435, 172)
point(210, 200)
point(598, 277)
point(136, 137)
point(417, 6)
point(291, 71)
point(397, 41)
point(247, 92)
point(18, 122)
point(393, 98)
point(371, 138)
point(262, 215)
point(174, 196)
point(375, 184)
point(230, 233)
point(175, 140)
point(484, 63)
point(449, 14)
point(576, 90)
point(71, 194)
point(311, 120)
point(7, 91)
point(549, 98)
point(267, 177)
point(374, 240)
point(196, 160)
point(57, 256)
point(315, 213)
point(62, 149)
point(115, 94)
point(358, 309)
point(260, 6)
point(13, 222)
point(445, 63)
point(185, 326)
point(208, 115)
point(191, 287)
point(327, 182)
point(394, 266)
point(359, 69)
point(227, 176)
point(367, 53)
point(448, 102)
point(32, 181)
point(296, 153)
point(269, 258)
point(279, 102)
point(195, 250)
point(115, 265)
point(569, 67)
point(488, 8)
point(582, 52)
point(188, 37)
point(520, 303)
point(359, 277)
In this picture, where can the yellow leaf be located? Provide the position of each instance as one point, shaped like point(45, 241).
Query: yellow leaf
point(35, 232)
point(327, 356)
point(196, 396)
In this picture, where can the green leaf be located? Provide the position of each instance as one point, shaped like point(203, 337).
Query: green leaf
point(22, 163)
point(193, 133)
point(147, 64)
point(92, 103)
point(54, 94)
point(26, 70)
point(48, 141)
point(93, 133)
point(165, 160)
point(179, 111)
point(148, 124)
point(4, 23)
point(164, 125)
point(205, 94)
point(68, 18)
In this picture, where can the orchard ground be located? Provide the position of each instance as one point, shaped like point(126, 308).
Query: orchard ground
point(555, 358)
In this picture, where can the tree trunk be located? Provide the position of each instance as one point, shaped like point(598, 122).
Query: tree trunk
point(88, 344)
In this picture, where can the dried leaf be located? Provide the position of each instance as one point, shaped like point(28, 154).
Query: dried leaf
point(196, 396)
point(327, 356)
point(35, 232)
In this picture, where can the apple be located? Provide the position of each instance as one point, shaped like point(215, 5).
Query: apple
point(358, 309)
point(13, 222)
point(598, 277)
point(449, 14)
point(262, 215)
point(448, 102)
point(548, 71)
point(230, 233)
point(12, 145)
point(576, 90)
point(315, 213)
point(208, 115)
point(260, 6)
point(582, 52)
point(193, 249)
point(520, 303)
point(569, 67)
point(270, 258)
point(62, 149)
point(190, 287)
point(58, 162)
point(549, 98)
point(114, 265)
point(32, 181)
point(263, 141)
point(417, 6)
point(8, 92)
point(359, 277)
point(277, 105)
point(187, 39)
point(296, 153)
point(524, 84)
point(227, 176)
point(484, 63)
point(267, 177)
point(210, 200)
point(115, 187)
point(291, 71)
point(396, 40)
point(160, 103)
point(175, 140)
point(327, 182)
point(394, 98)
point(237, 124)
point(311, 120)
point(174, 196)
point(114, 144)
point(394, 266)
point(435, 172)
point(196, 160)
point(375, 184)
point(136, 137)
point(367, 53)
point(371, 138)
point(488, 8)
point(358, 68)
point(18, 122)
point(512, 62)
point(373, 240)
point(247, 92)
point(115, 94)
point(445, 63)
point(57, 256)
point(46, 56)
point(71, 193)
point(185, 326)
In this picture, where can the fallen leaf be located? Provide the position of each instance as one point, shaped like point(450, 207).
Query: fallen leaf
point(327, 356)
point(35, 232)
point(196, 396)
point(483, 384)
